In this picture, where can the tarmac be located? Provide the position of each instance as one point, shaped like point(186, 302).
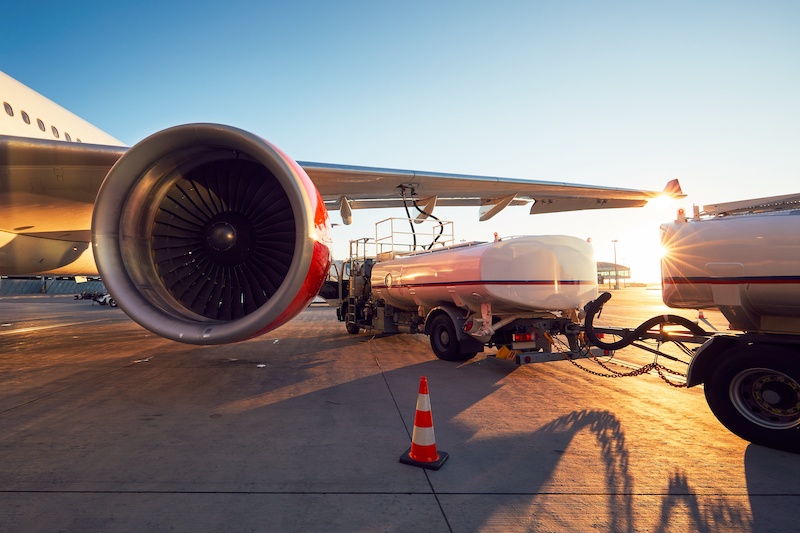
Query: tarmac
point(106, 427)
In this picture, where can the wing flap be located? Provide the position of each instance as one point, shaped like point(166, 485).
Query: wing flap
point(558, 205)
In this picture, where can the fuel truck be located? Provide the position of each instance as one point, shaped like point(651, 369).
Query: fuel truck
point(743, 258)
point(518, 294)
point(515, 293)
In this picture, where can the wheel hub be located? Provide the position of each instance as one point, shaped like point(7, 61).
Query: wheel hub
point(767, 397)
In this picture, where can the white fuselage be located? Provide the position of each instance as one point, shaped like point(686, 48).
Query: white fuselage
point(525, 274)
point(28, 114)
point(748, 266)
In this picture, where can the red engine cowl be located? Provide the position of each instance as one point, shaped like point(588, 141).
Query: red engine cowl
point(207, 234)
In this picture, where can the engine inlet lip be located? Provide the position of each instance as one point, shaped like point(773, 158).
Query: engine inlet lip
point(146, 171)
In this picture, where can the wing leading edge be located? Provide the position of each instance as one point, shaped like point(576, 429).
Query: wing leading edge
point(352, 187)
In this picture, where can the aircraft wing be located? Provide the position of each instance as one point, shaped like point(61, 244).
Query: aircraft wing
point(353, 187)
point(54, 183)
point(50, 186)
point(47, 192)
point(164, 229)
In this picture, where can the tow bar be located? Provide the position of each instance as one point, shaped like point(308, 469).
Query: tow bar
point(663, 329)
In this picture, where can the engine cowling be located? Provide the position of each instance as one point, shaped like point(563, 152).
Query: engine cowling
point(208, 234)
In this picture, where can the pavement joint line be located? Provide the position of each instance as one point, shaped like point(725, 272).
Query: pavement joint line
point(391, 493)
point(399, 411)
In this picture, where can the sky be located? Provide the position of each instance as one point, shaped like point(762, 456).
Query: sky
point(618, 93)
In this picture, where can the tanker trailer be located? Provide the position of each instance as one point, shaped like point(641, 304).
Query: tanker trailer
point(517, 293)
point(743, 258)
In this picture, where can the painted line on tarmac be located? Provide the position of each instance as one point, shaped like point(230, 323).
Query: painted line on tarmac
point(51, 326)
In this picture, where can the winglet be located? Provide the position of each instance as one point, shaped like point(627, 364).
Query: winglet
point(673, 189)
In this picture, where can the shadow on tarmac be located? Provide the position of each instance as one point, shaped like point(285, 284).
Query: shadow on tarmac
point(284, 417)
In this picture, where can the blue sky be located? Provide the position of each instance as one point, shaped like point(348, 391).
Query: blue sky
point(628, 94)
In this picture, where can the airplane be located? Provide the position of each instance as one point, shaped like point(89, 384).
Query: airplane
point(206, 233)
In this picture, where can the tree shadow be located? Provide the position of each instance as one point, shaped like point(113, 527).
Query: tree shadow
point(702, 517)
point(607, 431)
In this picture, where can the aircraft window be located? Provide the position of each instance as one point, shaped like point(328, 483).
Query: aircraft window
point(67, 136)
point(26, 118)
point(9, 109)
point(55, 131)
point(40, 124)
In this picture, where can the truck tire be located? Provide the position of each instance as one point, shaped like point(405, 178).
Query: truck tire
point(755, 393)
point(444, 341)
point(352, 328)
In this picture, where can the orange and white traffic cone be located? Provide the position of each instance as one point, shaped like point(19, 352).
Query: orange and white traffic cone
point(423, 442)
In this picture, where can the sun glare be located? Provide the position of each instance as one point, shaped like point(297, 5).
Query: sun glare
point(660, 201)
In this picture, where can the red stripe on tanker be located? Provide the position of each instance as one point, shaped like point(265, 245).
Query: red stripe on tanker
point(550, 272)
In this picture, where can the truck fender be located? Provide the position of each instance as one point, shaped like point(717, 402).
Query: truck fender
point(705, 360)
point(458, 317)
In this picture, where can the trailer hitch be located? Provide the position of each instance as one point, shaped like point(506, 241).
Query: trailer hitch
point(628, 336)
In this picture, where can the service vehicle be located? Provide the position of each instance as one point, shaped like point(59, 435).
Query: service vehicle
point(512, 293)
point(743, 258)
point(520, 294)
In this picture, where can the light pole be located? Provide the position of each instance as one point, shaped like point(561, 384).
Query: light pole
point(616, 272)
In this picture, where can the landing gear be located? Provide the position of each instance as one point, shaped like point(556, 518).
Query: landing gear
point(755, 393)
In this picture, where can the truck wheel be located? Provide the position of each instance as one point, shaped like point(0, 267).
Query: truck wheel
point(352, 328)
point(755, 393)
point(444, 342)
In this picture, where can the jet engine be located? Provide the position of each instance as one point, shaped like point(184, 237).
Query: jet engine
point(207, 234)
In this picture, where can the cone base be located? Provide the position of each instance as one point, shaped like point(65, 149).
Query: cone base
point(431, 465)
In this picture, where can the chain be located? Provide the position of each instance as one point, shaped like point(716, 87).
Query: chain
point(660, 369)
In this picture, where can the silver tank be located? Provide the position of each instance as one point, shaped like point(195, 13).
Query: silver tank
point(747, 266)
point(524, 274)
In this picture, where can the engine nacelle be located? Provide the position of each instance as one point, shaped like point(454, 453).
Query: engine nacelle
point(207, 234)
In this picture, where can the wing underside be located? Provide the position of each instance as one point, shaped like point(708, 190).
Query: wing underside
point(350, 187)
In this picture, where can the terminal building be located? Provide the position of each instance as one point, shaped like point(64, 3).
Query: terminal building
point(612, 273)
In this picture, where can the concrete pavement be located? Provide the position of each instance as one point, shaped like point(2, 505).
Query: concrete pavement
point(105, 427)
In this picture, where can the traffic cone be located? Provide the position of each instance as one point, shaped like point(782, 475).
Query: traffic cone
point(423, 442)
point(700, 315)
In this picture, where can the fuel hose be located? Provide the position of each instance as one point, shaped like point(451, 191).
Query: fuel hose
point(629, 336)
